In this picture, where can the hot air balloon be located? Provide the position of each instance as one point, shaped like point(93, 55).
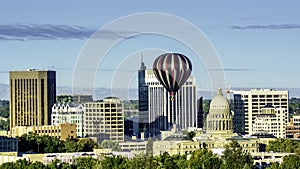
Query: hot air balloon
point(172, 70)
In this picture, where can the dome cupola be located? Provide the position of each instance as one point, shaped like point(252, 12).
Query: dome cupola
point(219, 120)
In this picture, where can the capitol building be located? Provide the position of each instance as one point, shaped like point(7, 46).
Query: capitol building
point(218, 132)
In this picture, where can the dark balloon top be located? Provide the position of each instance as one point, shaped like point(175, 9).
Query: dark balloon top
point(172, 70)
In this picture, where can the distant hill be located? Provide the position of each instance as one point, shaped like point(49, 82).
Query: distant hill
point(4, 91)
point(132, 94)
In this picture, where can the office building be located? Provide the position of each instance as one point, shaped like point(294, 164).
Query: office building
point(249, 104)
point(156, 112)
point(61, 131)
point(82, 98)
point(293, 127)
point(68, 113)
point(104, 120)
point(272, 121)
point(32, 95)
point(200, 115)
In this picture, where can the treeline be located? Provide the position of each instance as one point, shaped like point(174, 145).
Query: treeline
point(4, 112)
point(284, 146)
point(234, 158)
point(48, 144)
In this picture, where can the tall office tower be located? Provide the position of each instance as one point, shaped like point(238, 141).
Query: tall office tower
point(142, 88)
point(200, 112)
point(143, 100)
point(105, 119)
point(158, 115)
point(248, 106)
point(32, 95)
point(68, 113)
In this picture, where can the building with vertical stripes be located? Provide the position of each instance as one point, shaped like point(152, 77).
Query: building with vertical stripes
point(158, 115)
point(32, 95)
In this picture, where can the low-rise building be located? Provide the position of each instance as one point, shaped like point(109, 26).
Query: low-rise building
point(293, 127)
point(133, 146)
point(7, 157)
point(68, 113)
point(175, 144)
point(8, 144)
point(61, 131)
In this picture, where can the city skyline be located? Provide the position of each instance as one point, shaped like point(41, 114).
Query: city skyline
point(256, 44)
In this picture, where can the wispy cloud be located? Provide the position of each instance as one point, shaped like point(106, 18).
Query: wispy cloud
point(231, 69)
point(24, 32)
point(270, 27)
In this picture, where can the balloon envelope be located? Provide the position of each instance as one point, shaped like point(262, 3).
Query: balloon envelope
point(172, 70)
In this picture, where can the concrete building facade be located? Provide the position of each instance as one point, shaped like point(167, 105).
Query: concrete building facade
point(32, 95)
point(248, 105)
point(104, 120)
point(293, 127)
point(69, 113)
point(271, 120)
point(61, 131)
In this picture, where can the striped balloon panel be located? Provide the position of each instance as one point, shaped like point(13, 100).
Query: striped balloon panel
point(172, 70)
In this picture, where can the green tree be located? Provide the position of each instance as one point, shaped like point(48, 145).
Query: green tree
point(87, 162)
point(274, 166)
point(181, 161)
point(4, 112)
point(20, 164)
point(115, 162)
point(8, 165)
point(87, 145)
point(204, 158)
point(167, 161)
point(235, 157)
point(282, 145)
point(246, 166)
point(149, 147)
point(37, 165)
point(110, 144)
point(4, 124)
point(71, 145)
point(290, 162)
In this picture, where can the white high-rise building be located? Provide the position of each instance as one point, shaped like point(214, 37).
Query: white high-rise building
point(68, 113)
point(249, 110)
point(272, 121)
point(160, 113)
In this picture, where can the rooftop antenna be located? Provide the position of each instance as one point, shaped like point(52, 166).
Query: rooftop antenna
point(143, 67)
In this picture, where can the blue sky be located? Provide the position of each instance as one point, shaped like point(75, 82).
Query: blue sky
point(257, 41)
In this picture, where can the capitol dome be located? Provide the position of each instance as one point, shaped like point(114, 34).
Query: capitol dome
point(219, 120)
point(219, 101)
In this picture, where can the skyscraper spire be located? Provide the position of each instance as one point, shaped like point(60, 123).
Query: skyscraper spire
point(142, 67)
point(142, 58)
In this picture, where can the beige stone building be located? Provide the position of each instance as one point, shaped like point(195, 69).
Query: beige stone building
point(32, 95)
point(175, 144)
point(219, 132)
point(61, 131)
point(293, 127)
point(104, 119)
point(219, 128)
